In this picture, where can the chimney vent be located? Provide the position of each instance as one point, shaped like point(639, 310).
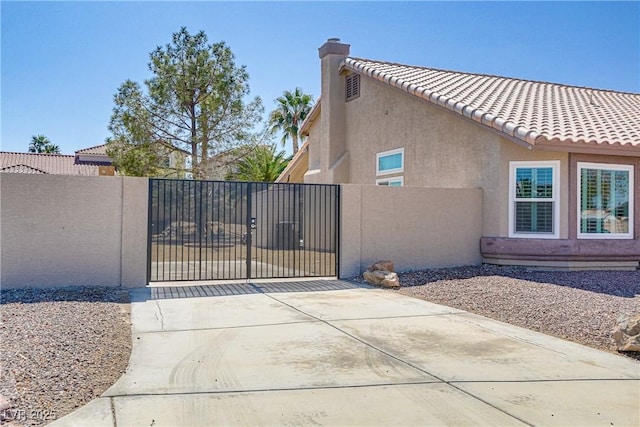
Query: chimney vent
point(333, 46)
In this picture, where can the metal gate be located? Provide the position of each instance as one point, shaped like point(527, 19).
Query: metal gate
point(209, 230)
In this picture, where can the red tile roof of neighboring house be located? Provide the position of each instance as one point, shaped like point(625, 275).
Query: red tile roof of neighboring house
point(98, 149)
point(56, 164)
point(22, 169)
point(531, 112)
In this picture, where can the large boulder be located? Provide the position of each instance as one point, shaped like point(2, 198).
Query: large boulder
point(627, 334)
point(381, 266)
point(386, 279)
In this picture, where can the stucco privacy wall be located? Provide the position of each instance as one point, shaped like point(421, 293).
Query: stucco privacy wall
point(415, 227)
point(72, 230)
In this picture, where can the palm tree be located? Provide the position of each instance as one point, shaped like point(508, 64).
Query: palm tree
point(292, 109)
point(263, 164)
point(42, 144)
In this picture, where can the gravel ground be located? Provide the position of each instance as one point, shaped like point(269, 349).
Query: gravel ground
point(580, 306)
point(60, 348)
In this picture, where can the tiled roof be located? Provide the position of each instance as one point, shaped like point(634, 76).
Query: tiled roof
point(56, 164)
point(529, 111)
point(98, 149)
point(22, 169)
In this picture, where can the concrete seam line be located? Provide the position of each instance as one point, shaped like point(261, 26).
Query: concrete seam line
point(225, 327)
point(406, 363)
point(554, 380)
point(269, 390)
point(161, 315)
point(113, 412)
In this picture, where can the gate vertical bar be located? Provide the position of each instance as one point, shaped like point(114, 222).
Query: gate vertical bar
point(200, 227)
point(249, 230)
point(338, 231)
point(149, 230)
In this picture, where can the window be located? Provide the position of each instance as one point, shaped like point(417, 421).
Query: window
point(396, 181)
point(352, 87)
point(605, 201)
point(389, 162)
point(533, 204)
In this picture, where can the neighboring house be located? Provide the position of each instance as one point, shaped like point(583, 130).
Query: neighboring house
point(297, 166)
point(174, 161)
point(558, 164)
point(92, 161)
point(222, 165)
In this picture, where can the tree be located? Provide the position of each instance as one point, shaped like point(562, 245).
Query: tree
point(263, 164)
point(292, 109)
point(195, 101)
point(42, 144)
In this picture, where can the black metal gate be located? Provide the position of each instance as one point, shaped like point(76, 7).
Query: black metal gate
point(209, 230)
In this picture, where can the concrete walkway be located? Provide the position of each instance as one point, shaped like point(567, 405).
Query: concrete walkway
point(295, 354)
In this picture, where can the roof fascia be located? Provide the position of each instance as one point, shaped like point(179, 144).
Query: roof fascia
point(304, 150)
point(313, 114)
point(607, 150)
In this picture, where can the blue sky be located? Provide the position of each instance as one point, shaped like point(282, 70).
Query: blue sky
point(63, 61)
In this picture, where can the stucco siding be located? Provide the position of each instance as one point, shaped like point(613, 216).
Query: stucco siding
point(441, 150)
point(415, 227)
point(70, 230)
point(314, 173)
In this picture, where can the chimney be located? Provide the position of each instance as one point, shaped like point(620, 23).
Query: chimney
point(333, 47)
point(332, 148)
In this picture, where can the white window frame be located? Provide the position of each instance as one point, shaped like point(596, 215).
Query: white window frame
point(605, 166)
point(390, 153)
point(555, 199)
point(399, 179)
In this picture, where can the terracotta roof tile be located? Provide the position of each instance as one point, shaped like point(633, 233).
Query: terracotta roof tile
point(530, 111)
point(56, 164)
point(98, 149)
point(22, 169)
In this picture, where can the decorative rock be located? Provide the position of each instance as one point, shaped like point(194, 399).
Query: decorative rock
point(627, 334)
point(4, 403)
point(386, 279)
point(381, 266)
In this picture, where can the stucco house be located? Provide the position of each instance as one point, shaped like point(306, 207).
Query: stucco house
point(557, 164)
point(298, 165)
point(174, 160)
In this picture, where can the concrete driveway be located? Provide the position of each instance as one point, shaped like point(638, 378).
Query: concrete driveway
point(334, 353)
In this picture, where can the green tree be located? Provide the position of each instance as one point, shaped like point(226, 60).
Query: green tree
point(262, 164)
point(194, 101)
point(42, 144)
point(292, 109)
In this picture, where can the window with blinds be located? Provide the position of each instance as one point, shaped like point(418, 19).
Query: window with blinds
point(533, 209)
point(352, 87)
point(605, 201)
